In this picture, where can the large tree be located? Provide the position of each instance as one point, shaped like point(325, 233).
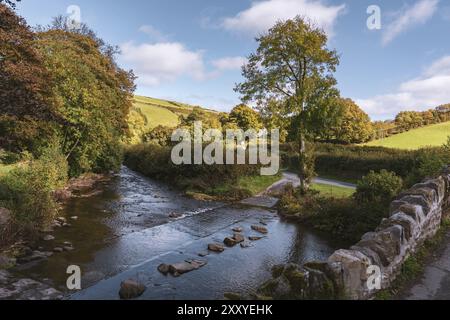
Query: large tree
point(355, 126)
point(25, 94)
point(93, 96)
point(290, 64)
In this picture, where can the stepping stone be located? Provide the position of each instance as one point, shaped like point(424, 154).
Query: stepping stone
point(178, 269)
point(260, 229)
point(215, 247)
point(131, 289)
point(164, 269)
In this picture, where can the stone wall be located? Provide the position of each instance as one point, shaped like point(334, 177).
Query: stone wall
point(415, 216)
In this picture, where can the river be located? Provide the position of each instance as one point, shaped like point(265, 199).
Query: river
point(125, 232)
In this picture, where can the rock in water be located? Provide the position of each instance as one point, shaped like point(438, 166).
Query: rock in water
point(48, 238)
point(215, 247)
point(230, 242)
point(238, 238)
point(130, 289)
point(175, 215)
point(178, 269)
point(260, 229)
point(238, 229)
point(254, 238)
point(164, 269)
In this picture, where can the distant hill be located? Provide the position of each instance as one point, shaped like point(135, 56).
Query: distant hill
point(149, 113)
point(432, 135)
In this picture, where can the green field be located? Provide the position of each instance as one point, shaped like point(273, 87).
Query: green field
point(156, 116)
point(333, 191)
point(148, 113)
point(162, 112)
point(433, 135)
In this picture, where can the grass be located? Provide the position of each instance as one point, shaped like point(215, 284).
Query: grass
point(333, 191)
point(433, 135)
point(157, 115)
point(257, 184)
point(4, 169)
point(253, 185)
point(162, 112)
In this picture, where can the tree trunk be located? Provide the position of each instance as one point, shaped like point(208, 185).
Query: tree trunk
point(302, 155)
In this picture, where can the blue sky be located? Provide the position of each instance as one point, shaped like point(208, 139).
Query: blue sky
point(191, 51)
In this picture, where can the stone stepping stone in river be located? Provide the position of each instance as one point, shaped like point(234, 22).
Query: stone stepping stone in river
point(232, 241)
point(177, 269)
point(260, 229)
point(216, 247)
point(131, 289)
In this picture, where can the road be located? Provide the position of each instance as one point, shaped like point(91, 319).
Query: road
point(435, 281)
point(292, 178)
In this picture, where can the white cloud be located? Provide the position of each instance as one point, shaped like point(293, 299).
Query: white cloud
point(264, 14)
point(420, 13)
point(163, 62)
point(422, 93)
point(153, 33)
point(229, 63)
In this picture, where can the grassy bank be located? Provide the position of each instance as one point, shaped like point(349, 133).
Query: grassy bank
point(333, 191)
point(250, 185)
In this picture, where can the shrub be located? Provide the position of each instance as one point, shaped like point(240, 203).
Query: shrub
point(155, 161)
point(378, 187)
point(160, 135)
point(28, 190)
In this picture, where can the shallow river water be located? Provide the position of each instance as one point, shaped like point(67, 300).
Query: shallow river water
point(125, 232)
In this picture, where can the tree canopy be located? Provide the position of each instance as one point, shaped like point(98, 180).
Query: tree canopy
point(355, 126)
point(25, 85)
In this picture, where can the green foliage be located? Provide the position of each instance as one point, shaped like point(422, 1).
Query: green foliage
point(342, 218)
point(379, 187)
point(26, 103)
point(154, 161)
point(27, 190)
point(209, 121)
point(355, 125)
point(93, 96)
point(160, 135)
point(355, 162)
point(245, 118)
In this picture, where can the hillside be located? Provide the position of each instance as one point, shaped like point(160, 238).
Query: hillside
point(149, 113)
point(433, 135)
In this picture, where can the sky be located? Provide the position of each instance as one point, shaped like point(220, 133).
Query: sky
point(192, 51)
